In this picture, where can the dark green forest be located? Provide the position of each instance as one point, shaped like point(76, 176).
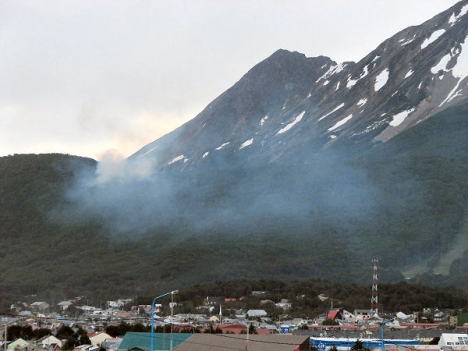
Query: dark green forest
point(403, 202)
point(303, 294)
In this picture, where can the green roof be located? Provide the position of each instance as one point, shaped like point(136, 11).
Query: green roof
point(17, 342)
point(162, 341)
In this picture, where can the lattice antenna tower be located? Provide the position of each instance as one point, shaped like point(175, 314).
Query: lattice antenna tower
point(375, 289)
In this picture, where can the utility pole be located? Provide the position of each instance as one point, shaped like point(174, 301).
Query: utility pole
point(247, 340)
point(375, 292)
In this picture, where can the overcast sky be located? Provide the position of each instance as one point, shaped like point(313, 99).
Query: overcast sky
point(95, 78)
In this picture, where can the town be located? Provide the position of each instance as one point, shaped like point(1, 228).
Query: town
point(123, 325)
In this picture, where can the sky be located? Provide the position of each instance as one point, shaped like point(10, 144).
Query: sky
point(101, 79)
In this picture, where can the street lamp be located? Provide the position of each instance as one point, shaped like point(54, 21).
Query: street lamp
point(382, 332)
point(152, 315)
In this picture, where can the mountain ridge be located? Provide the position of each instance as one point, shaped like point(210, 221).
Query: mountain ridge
point(357, 101)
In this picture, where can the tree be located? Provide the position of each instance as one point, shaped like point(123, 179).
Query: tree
point(252, 329)
point(139, 327)
point(113, 330)
point(330, 322)
point(41, 332)
point(64, 332)
point(359, 346)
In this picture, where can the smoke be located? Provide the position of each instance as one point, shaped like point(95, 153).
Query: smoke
point(132, 197)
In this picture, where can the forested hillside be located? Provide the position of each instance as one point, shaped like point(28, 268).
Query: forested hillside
point(54, 246)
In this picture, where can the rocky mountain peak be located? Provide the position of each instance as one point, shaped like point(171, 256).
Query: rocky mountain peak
point(289, 104)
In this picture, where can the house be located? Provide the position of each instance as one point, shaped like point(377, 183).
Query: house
point(255, 342)
point(49, 340)
point(440, 316)
point(233, 328)
point(214, 319)
point(40, 306)
point(256, 313)
point(362, 314)
point(335, 314)
point(262, 302)
point(184, 328)
point(284, 304)
point(119, 303)
point(17, 307)
point(348, 316)
point(85, 348)
point(25, 314)
point(212, 300)
point(98, 338)
point(447, 339)
point(322, 297)
point(230, 299)
point(64, 305)
point(187, 317)
point(298, 321)
point(111, 344)
point(263, 331)
point(18, 344)
point(161, 341)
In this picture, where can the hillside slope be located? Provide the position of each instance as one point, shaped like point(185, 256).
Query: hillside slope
point(56, 242)
point(304, 168)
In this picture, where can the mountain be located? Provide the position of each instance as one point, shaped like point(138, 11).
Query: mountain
point(293, 106)
point(300, 140)
point(303, 168)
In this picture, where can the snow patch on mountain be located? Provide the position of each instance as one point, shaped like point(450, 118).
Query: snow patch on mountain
point(178, 158)
point(434, 36)
point(381, 79)
point(331, 71)
point(461, 68)
point(263, 120)
point(460, 71)
point(409, 73)
point(454, 18)
point(292, 124)
point(351, 82)
point(400, 117)
point(334, 110)
point(246, 143)
point(362, 102)
point(453, 93)
point(407, 41)
point(222, 146)
point(340, 123)
point(442, 65)
point(371, 127)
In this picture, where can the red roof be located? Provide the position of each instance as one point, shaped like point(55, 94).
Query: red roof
point(262, 331)
point(332, 314)
point(232, 328)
